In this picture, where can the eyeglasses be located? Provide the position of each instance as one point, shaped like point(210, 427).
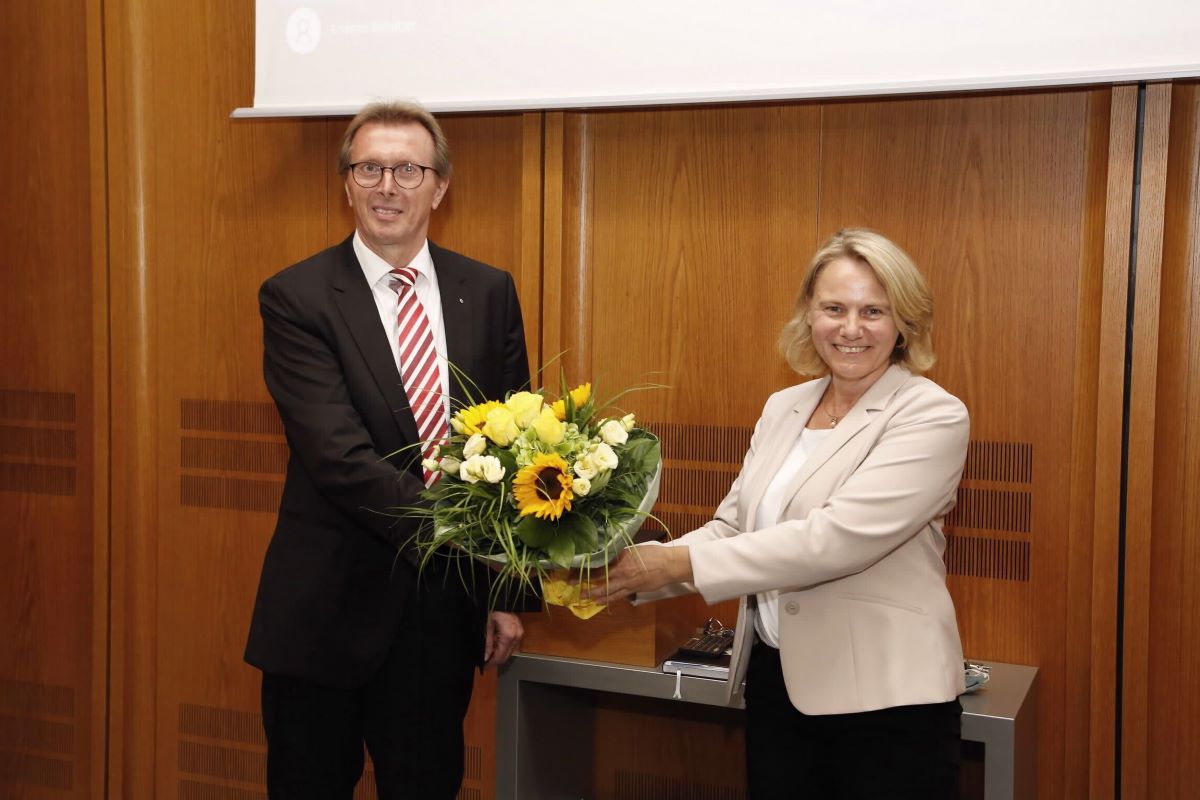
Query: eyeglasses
point(368, 174)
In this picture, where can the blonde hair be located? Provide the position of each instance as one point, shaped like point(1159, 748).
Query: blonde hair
point(908, 294)
point(397, 112)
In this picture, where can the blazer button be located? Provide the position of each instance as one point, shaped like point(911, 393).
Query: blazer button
point(792, 607)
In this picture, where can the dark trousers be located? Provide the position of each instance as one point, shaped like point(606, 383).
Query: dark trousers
point(409, 714)
point(890, 754)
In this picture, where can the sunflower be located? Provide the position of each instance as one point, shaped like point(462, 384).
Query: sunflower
point(469, 420)
point(544, 487)
point(579, 396)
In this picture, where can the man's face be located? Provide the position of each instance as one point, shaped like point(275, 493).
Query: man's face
point(393, 221)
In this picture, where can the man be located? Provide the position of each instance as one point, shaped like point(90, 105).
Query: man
point(358, 341)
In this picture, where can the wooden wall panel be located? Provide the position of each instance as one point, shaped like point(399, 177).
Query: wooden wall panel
point(53, 440)
point(1161, 735)
point(203, 209)
point(1097, 470)
point(655, 244)
point(996, 197)
point(675, 242)
point(681, 235)
point(206, 208)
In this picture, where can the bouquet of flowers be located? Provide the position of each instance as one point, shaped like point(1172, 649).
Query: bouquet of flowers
point(532, 486)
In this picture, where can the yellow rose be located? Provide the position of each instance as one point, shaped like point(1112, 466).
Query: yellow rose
point(469, 420)
point(500, 427)
point(548, 427)
point(525, 407)
point(579, 396)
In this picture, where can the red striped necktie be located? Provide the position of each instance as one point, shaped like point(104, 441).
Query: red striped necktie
point(419, 365)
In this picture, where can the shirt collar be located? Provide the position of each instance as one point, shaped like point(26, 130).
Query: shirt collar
point(376, 269)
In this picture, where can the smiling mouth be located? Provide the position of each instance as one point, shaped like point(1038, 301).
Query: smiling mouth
point(386, 212)
point(841, 348)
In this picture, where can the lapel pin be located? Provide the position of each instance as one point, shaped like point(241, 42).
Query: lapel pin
point(460, 299)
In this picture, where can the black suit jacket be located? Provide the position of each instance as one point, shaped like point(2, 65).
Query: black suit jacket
point(338, 570)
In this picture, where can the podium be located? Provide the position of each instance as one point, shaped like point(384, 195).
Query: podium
point(539, 697)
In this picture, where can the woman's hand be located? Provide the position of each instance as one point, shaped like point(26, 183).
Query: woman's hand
point(642, 569)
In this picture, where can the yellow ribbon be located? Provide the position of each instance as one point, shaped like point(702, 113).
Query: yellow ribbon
point(558, 592)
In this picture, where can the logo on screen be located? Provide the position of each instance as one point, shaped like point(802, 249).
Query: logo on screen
point(303, 31)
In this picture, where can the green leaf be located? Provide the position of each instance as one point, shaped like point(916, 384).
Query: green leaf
point(562, 549)
point(507, 460)
point(599, 483)
point(641, 455)
point(536, 533)
point(582, 531)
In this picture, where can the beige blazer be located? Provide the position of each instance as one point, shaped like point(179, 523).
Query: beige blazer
point(866, 621)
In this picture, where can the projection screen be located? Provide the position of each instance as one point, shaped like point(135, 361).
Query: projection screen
point(330, 57)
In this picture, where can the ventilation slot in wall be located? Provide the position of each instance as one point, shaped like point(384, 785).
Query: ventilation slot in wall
point(694, 487)
point(37, 406)
point(229, 416)
point(37, 735)
point(1010, 462)
point(38, 442)
point(985, 557)
point(689, 494)
point(222, 723)
point(641, 786)
point(215, 761)
point(195, 790)
point(707, 443)
point(224, 444)
point(992, 510)
point(230, 493)
point(678, 523)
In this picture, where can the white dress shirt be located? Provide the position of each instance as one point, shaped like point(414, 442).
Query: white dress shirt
point(769, 509)
point(376, 271)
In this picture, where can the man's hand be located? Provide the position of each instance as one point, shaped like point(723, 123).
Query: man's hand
point(504, 632)
point(642, 569)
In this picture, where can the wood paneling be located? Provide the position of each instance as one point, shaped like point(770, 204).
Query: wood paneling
point(53, 413)
point(1141, 440)
point(674, 241)
point(204, 209)
point(681, 235)
point(1161, 732)
point(656, 245)
point(997, 198)
point(1096, 469)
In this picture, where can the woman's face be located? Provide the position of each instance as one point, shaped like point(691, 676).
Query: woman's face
point(852, 324)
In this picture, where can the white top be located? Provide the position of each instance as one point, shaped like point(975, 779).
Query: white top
point(769, 509)
point(376, 271)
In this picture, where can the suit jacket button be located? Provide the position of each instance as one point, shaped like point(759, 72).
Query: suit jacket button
point(792, 607)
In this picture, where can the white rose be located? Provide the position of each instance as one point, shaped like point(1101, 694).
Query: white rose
point(581, 486)
point(471, 470)
point(481, 468)
point(475, 446)
point(586, 468)
point(627, 422)
point(450, 465)
point(603, 457)
point(493, 472)
point(430, 465)
point(613, 432)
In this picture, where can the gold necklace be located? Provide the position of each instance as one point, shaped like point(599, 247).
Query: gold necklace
point(834, 419)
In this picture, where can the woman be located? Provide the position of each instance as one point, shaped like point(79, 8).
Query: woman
point(833, 532)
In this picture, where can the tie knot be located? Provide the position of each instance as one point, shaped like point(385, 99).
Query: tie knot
point(405, 276)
